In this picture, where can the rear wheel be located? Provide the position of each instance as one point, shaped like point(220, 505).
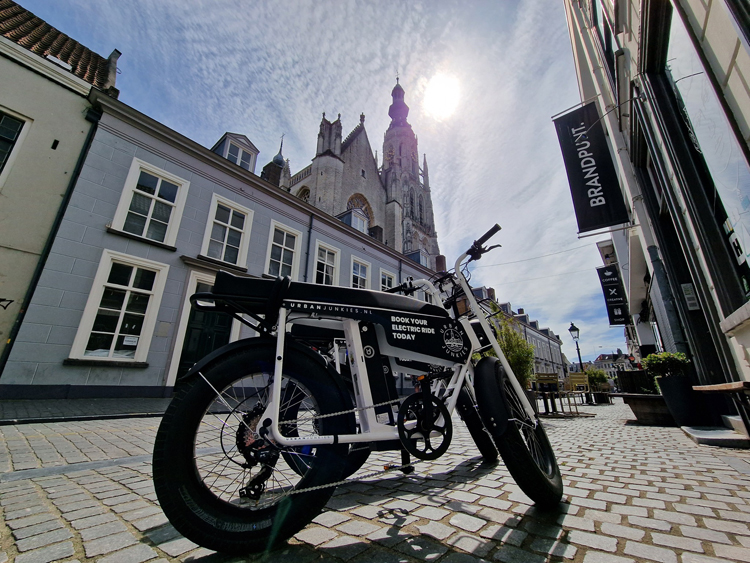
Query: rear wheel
point(218, 481)
point(522, 443)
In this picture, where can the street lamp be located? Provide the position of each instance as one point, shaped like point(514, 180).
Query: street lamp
point(574, 332)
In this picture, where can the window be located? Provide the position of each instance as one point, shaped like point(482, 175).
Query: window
point(227, 232)
point(239, 156)
point(283, 259)
point(387, 280)
point(421, 209)
point(151, 204)
point(326, 265)
point(360, 272)
point(120, 313)
point(10, 131)
point(359, 221)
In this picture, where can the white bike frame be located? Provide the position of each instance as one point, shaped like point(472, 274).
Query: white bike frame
point(371, 429)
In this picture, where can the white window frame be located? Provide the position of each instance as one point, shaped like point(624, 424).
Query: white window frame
point(95, 296)
point(336, 262)
point(138, 165)
point(361, 262)
point(245, 236)
point(385, 273)
point(297, 249)
point(241, 150)
point(27, 123)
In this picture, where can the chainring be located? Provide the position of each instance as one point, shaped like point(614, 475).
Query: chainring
point(417, 433)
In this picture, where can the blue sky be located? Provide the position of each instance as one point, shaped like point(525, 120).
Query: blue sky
point(265, 68)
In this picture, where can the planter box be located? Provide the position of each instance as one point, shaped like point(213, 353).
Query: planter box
point(687, 406)
point(650, 410)
point(601, 398)
point(637, 381)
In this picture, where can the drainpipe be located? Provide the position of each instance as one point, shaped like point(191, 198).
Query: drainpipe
point(93, 117)
point(309, 242)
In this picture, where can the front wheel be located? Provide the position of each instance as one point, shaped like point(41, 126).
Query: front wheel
point(522, 443)
point(224, 486)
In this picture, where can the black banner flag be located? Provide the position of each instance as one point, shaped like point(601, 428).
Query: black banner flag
point(597, 198)
point(614, 295)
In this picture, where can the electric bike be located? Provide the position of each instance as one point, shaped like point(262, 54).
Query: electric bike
point(262, 430)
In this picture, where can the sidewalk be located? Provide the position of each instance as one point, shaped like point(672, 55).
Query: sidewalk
point(57, 410)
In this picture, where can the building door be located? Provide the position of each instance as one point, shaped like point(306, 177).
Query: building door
point(205, 333)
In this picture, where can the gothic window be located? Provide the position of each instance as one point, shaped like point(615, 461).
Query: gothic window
point(304, 195)
point(407, 241)
point(411, 203)
point(358, 201)
point(421, 209)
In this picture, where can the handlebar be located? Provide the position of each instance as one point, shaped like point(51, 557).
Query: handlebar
point(406, 288)
point(488, 235)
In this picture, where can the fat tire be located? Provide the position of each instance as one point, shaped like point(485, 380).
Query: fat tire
point(467, 410)
point(193, 508)
point(535, 472)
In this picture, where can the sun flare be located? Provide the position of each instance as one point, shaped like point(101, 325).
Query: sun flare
point(441, 96)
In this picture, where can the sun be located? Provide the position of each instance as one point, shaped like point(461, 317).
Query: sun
point(441, 96)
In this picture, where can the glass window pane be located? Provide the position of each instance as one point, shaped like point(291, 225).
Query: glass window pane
point(144, 279)
point(322, 254)
point(120, 274)
point(131, 324)
point(138, 303)
point(286, 270)
point(215, 249)
point(112, 299)
point(290, 241)
point(98, 345)
point(106, 321)
point(233, 238)
point(245, 160)
point(233, 153)
point(278, 236)
point(231, 254)
point(134, 224)
point(140, 204)
point(238, 220)
point(157, 231)
point(147, 183)
point(287, 256)
point(125, 347)
point(273, 268)
point(275, 252)
point(222, 214)
point(162, 211)
point(168, 191)
point(218, 232)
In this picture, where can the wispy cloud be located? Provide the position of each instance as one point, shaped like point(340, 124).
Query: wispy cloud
point(267, 68)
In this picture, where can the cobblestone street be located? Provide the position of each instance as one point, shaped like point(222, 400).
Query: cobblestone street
point(81, 491)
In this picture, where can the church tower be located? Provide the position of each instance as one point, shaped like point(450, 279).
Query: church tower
point(409, 202)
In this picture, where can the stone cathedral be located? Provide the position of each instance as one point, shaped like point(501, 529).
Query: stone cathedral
point(389, 201)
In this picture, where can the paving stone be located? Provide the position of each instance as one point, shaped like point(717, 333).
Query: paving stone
point(570, 521)
point(47, 554)
point(344, 547)
point(595, 541)
point(510, 554)
point(90, 521)
point(29, 521)
point(431, 513)
point(732, 553)
point(471, 544)
point(357, 528)
point(151, 522)
point(108, 544)
point(468, 523)
point(102, 530)
point(421, 548)
point(177, 547)
point(724, 526)
point(504, 534)
point(43, 540)
point(28, 531)
point(389, 536)
point(315, 535)
point(619, 531)
point(436, 530)
point(598, 557)
point(650, 523)
point(536, 528)
point(650, 552)
point(135, 554)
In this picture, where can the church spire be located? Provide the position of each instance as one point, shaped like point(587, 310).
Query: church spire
point(425, 174)
point(398, 110)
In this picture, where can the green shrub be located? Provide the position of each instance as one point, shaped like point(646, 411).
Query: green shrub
point(518, 352)
point(597, 377)
point(666, 364)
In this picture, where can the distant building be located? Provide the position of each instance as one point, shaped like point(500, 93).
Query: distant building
point(390, 201)
point(46, 123)
point(612, 363)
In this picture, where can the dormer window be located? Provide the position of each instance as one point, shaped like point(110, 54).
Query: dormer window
point(238, 156)
point(356, 218)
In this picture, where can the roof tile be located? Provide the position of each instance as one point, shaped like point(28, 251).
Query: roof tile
point(33, 33)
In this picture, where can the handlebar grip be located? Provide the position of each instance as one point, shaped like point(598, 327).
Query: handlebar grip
point(488, 235)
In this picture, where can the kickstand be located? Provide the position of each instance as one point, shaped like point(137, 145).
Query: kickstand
point(406, 468)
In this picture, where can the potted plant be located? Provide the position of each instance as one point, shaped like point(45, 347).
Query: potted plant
point(597, 382)
point(670, 371)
